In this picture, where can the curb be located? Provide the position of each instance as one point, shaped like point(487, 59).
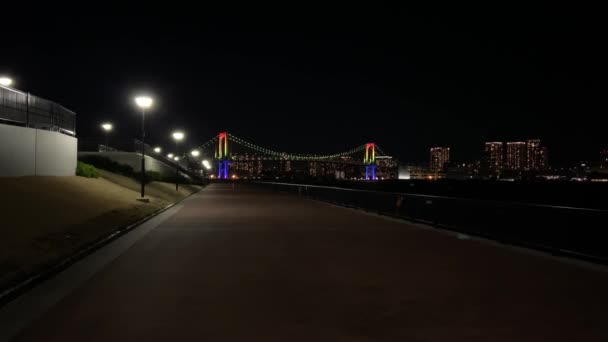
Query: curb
point(53, 269)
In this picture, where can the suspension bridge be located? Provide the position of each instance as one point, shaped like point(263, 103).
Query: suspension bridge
point(235, 156)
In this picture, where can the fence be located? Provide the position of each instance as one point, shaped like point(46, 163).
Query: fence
point(576, 232)
point(27, 110)
point(113, 144)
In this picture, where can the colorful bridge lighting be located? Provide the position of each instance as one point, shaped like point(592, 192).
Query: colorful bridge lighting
point(370, 154)
point(223, 157)
point(370, 161)
point(222, 149)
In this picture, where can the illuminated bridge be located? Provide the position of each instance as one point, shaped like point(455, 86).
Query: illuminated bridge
point(239, 158)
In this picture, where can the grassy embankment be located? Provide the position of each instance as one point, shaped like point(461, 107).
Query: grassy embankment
point(45, 219)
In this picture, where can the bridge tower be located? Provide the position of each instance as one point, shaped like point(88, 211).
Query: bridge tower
point(370, 161)
point(223, 156)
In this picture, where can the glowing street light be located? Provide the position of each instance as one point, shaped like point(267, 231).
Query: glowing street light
point(176, 158)
point(5, 81)
point(170, 155)
point(143, 102)
point(107, 128)
point(158, 149)
point(206, 165)
point(195, 153)
point(177, 136)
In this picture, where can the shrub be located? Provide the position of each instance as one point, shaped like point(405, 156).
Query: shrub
point(108, 164)
point(86, 170)
point(153, 176)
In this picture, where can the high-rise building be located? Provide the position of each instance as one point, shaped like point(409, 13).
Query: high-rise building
point(536, 155)
point(387, 167)
point(440, 158)
point(494, 156)
point(516, 156)
point(544, 158)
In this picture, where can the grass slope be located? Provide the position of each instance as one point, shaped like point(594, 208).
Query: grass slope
point(44, 219)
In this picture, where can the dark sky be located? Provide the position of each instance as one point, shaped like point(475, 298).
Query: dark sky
point(325, 79)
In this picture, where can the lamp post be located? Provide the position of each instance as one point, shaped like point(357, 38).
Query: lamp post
point(143, 102)
point(206, 165)
point(177, 136)
point(158, 149)
point(194, 154)
point(107, 128)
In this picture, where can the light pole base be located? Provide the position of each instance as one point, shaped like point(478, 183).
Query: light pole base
point(146, 200)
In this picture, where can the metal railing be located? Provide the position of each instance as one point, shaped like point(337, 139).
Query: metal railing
point(578, 232)
point(27, 110)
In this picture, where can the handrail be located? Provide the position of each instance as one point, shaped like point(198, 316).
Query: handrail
point(523, 204)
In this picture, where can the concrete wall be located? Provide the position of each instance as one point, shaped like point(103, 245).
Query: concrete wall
point(133, 159)
point(34, 152)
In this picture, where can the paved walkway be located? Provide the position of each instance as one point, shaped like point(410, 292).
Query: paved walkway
point(242, 264)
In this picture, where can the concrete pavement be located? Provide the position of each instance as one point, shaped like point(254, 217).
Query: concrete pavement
point(244, 264)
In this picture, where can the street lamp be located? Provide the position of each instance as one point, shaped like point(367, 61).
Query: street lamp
point(195, 154)
point(107, 127)
point(158, 150)
point(143, 102)
point(177, 136)
point(206, 165)
point(170, 155)
point(5, 81)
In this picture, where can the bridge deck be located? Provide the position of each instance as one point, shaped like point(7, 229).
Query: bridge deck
point(249, 265)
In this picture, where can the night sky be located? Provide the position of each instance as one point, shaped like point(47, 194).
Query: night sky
point(324, 80)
